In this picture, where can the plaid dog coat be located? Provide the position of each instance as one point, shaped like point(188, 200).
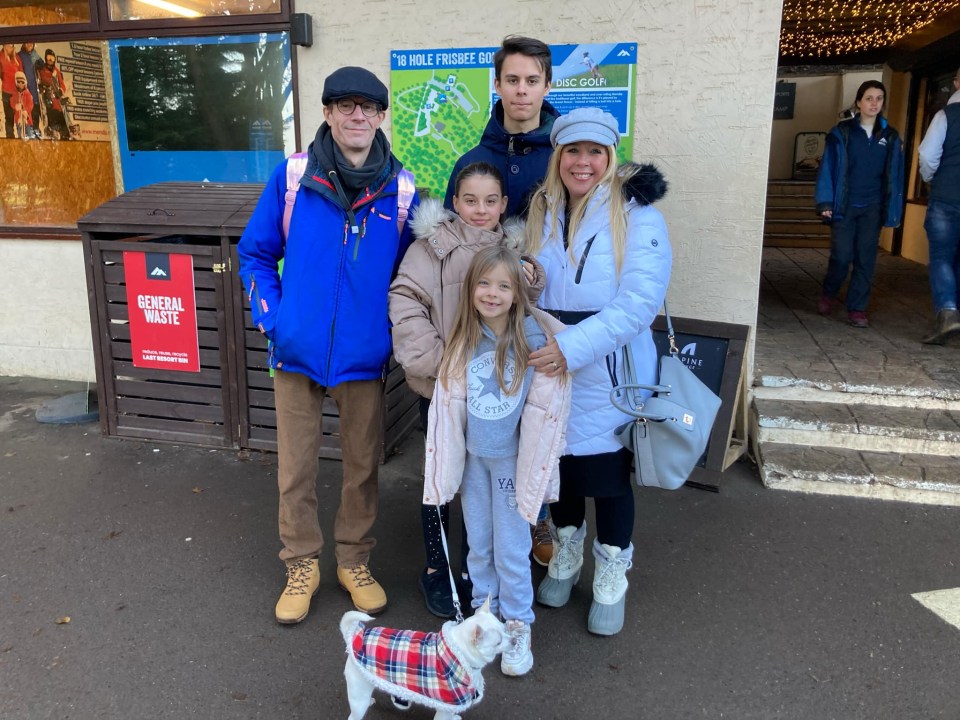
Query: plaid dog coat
point(408, 661)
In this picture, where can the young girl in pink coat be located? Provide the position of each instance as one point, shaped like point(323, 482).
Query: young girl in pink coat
point(495, 433)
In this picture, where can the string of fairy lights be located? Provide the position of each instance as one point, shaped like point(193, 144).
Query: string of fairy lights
point(831, 28)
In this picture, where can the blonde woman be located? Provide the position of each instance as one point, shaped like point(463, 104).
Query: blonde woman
point(607, 259)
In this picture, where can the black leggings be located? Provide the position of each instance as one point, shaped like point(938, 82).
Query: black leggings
point(432, 543)
point(614, 509)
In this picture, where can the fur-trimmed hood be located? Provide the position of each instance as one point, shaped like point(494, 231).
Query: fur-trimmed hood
point(425, 294)
point(431, 214)
point(642, 182)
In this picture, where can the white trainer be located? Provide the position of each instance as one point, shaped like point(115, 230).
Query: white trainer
point(518, 660)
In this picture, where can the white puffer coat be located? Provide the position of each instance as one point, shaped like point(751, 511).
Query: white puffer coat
point(626, 305)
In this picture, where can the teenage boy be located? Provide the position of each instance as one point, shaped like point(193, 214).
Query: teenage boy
point(516, 140)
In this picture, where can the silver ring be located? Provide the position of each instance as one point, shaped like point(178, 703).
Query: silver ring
point(554, 363)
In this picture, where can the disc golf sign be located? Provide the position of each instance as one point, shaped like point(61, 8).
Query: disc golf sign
point(163, 311)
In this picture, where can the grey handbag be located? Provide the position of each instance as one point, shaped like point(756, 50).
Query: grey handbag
point(672, 427)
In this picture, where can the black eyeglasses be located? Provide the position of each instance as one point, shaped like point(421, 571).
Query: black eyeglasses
point(347, 106)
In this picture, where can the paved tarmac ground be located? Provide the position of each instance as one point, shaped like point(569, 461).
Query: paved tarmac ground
point(750, 603)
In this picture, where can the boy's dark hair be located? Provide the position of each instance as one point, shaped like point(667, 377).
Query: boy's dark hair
point(520, 45)
point(477, 169)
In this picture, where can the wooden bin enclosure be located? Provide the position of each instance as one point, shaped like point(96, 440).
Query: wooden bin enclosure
point(258, 425)
point(229, 403)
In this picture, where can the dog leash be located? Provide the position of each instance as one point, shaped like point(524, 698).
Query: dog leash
point(453, 585)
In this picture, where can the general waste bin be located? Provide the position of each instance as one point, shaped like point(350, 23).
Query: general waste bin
point(229, 401)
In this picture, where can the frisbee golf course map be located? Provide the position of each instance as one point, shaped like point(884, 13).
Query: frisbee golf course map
point(438, 116)
point(441, 100)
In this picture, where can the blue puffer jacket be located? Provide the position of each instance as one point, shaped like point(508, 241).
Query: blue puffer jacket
point(832, 180)
point(327, 317)
point(521, 158)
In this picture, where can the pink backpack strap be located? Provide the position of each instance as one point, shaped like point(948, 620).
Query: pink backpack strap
point(296, 166)
point(406, 188)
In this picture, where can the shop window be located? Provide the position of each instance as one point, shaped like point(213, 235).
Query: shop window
point(157, 9)
point(43, 12)
point(216, 109)
point(213, 109)
point(57, 154)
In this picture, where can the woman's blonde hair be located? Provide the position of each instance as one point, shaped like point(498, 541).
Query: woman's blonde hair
point(467, 325)
point(552, 197)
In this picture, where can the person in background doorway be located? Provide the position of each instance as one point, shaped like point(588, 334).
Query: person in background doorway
point(859, 191)
point(940, 166)
point(607, 258)
point(326, 319)
point(10, 65)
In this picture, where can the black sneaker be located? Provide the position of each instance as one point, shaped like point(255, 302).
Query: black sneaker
point(436, 593)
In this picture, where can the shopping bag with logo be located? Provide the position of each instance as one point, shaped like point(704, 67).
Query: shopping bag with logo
point(671, 428)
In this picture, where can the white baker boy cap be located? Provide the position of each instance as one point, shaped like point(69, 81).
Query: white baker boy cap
point(585, 124)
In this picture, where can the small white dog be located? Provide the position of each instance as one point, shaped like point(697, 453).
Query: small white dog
point(438, 670)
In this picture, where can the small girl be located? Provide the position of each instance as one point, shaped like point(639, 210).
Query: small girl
point(495, 433)
point(423, 303)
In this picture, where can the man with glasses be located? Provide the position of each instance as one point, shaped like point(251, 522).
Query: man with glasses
point(326, 320)
point(940, 166)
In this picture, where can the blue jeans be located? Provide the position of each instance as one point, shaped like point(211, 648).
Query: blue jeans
point(854, 240)
point(943, 234)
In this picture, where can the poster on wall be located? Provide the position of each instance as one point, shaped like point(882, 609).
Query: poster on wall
point(808, 150)
point(54, 91)
point(163, 311)
point(441, 99)
point(784, 100)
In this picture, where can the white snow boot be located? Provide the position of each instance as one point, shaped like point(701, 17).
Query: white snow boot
point(609, 588)
point(564, 568)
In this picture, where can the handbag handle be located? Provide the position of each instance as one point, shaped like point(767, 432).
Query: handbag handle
point(627, 398)
point(622, 402)
point(670, 334)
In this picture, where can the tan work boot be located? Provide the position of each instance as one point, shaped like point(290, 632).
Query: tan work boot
point(366, 593)
point(542, 543)
point(303, 581)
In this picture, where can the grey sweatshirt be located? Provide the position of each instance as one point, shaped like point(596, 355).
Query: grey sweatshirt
point(493, 416)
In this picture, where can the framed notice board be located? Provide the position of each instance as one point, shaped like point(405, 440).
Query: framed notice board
point(808, 148)
point(715, 353)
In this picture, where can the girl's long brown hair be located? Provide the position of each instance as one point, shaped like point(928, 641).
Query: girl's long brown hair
point(467, 326)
